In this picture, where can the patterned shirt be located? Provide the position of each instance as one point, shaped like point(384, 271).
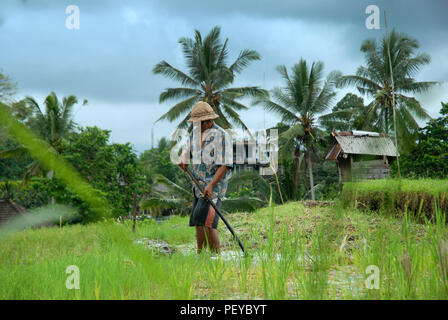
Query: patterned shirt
point(206, 159)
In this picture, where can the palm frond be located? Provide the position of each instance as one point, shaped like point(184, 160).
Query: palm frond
point(176, 93)
point(414, 106)
point(234, 104)
point(244, 59)
point(180, 108)
point(273, 107)
point(246, 92)
point(358, 81)
point(234, 116)
point(34, 106)
point(164, 68)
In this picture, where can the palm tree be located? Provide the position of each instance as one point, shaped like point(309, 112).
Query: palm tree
point(56, 122)
point(299, 102)
point(374, 80)
point(53, 124)
point(209, 78)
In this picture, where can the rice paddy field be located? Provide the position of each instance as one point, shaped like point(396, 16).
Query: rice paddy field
point(294, 251)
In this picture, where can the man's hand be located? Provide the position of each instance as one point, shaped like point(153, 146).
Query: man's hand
point(218, 175)
point(208, 191)
point(183, 166)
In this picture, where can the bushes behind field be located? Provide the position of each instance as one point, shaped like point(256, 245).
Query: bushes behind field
point(418, 197)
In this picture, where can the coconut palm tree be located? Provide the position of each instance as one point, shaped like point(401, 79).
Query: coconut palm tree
point(56, 121)
point(375, 81)
point(52, 124)
point(209, 78)
point(299, 103)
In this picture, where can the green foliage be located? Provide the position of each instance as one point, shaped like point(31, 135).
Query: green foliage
point(167, 195)
point(111, 168)
point(209, 78)
point(303, 98)
point(36, 193)
point(348, 114)
point(241, 204)
point(326, 177)
point(429, 159)
point(421, 197)
point(52, 125)
point(294, 253)
point(248, 184)
point(157, 161)
point(12, 167)
point(46, 156)
point(374, 80)
point(7, 87)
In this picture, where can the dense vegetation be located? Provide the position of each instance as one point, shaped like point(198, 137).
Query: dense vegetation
point(422, 198)
point(304, 102)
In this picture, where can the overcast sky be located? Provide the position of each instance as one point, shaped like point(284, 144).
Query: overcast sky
point(109, 60)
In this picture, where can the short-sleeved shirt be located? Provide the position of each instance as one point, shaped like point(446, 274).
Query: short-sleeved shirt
point(207, 159)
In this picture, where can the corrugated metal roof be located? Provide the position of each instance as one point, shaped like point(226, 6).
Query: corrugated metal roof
point(381, 145)
point(334, 152)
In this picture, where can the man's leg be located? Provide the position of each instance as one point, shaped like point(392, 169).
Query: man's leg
point(200, 237)
point(212, 234)
point(213, 240)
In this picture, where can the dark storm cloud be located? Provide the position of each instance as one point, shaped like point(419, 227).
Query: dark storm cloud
point(109, 60)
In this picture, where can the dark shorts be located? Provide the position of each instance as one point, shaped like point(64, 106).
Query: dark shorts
point(203, 214)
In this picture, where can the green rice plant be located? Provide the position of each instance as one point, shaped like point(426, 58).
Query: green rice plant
point(396, 196)
point(302, 260)
point(438, 234)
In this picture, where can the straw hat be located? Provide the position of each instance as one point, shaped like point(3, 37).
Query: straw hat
point(201, 112)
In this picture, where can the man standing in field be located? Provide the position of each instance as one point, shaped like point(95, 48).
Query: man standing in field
point(207, 148)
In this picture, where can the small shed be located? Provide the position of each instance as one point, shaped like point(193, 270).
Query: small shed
point(362, 155)
point(9, 209)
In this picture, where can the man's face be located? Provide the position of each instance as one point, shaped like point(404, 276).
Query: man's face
point(206, 124)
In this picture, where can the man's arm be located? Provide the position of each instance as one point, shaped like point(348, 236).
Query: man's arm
point(218, 176)
point(184, 158)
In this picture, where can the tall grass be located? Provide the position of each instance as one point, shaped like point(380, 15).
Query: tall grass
point(294, 253)
point(418, 197)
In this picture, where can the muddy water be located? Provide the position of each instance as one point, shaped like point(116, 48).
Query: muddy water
point(345, 278)
point(340, 279)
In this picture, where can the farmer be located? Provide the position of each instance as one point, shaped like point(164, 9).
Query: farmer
point(210, 166)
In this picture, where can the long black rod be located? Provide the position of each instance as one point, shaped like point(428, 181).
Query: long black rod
point(207, 198)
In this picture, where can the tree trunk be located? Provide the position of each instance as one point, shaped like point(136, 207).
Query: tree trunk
point(295, 177)
point(387, 120)
point(310, 170)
